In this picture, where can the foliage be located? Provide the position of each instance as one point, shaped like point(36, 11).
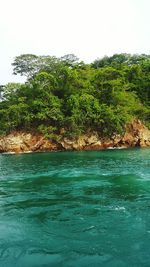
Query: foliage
point(63, 93)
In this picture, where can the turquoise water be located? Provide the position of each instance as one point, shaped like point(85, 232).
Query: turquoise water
point(75, 209)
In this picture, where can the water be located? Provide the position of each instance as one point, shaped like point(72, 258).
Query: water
point(75, 209)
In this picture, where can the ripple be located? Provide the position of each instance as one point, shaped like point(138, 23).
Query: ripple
point(75, 209)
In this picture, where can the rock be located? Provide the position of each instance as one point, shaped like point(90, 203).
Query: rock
point(136, 134)
point(83, 142)
point(23, 142)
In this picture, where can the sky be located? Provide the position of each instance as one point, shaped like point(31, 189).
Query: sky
point(90, 29)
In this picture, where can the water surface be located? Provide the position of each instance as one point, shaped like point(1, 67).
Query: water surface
point(75, 209)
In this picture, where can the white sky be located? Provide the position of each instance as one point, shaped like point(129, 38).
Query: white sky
point(87, 28)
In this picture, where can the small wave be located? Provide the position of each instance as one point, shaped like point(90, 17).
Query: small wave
point(89, 228)
point(8, 153)
point(118, 208)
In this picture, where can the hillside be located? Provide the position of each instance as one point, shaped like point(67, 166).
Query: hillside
point(65, 98)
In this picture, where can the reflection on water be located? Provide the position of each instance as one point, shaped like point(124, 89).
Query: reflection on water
point(75, 209)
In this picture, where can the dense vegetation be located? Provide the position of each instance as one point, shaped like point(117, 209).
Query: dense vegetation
point(68, 97)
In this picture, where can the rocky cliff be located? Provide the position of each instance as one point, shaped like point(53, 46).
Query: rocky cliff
point(136, 134)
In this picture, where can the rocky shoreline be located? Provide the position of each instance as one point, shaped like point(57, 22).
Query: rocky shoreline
point(136, 135)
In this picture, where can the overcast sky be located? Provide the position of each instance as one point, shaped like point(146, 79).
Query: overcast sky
point(87, 28)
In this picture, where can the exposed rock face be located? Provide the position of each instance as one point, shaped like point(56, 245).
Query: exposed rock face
point(136, 135)
point(84, 142)
point(26, 142)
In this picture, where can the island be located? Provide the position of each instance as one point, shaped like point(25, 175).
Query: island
point(66, 104)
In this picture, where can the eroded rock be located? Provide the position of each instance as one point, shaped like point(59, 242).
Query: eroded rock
point(25, 142)
point(136, 134)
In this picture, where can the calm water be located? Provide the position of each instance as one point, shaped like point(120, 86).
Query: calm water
point(77, 209)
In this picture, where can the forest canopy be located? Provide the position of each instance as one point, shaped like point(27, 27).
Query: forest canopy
point(65, 96)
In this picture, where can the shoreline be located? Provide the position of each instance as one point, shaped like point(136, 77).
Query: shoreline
point(136, 135)
point(66, 151)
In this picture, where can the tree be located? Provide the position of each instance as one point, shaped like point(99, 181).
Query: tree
point(25, 65)
point(70, 60)
point(29, 65)
point(64, 93)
